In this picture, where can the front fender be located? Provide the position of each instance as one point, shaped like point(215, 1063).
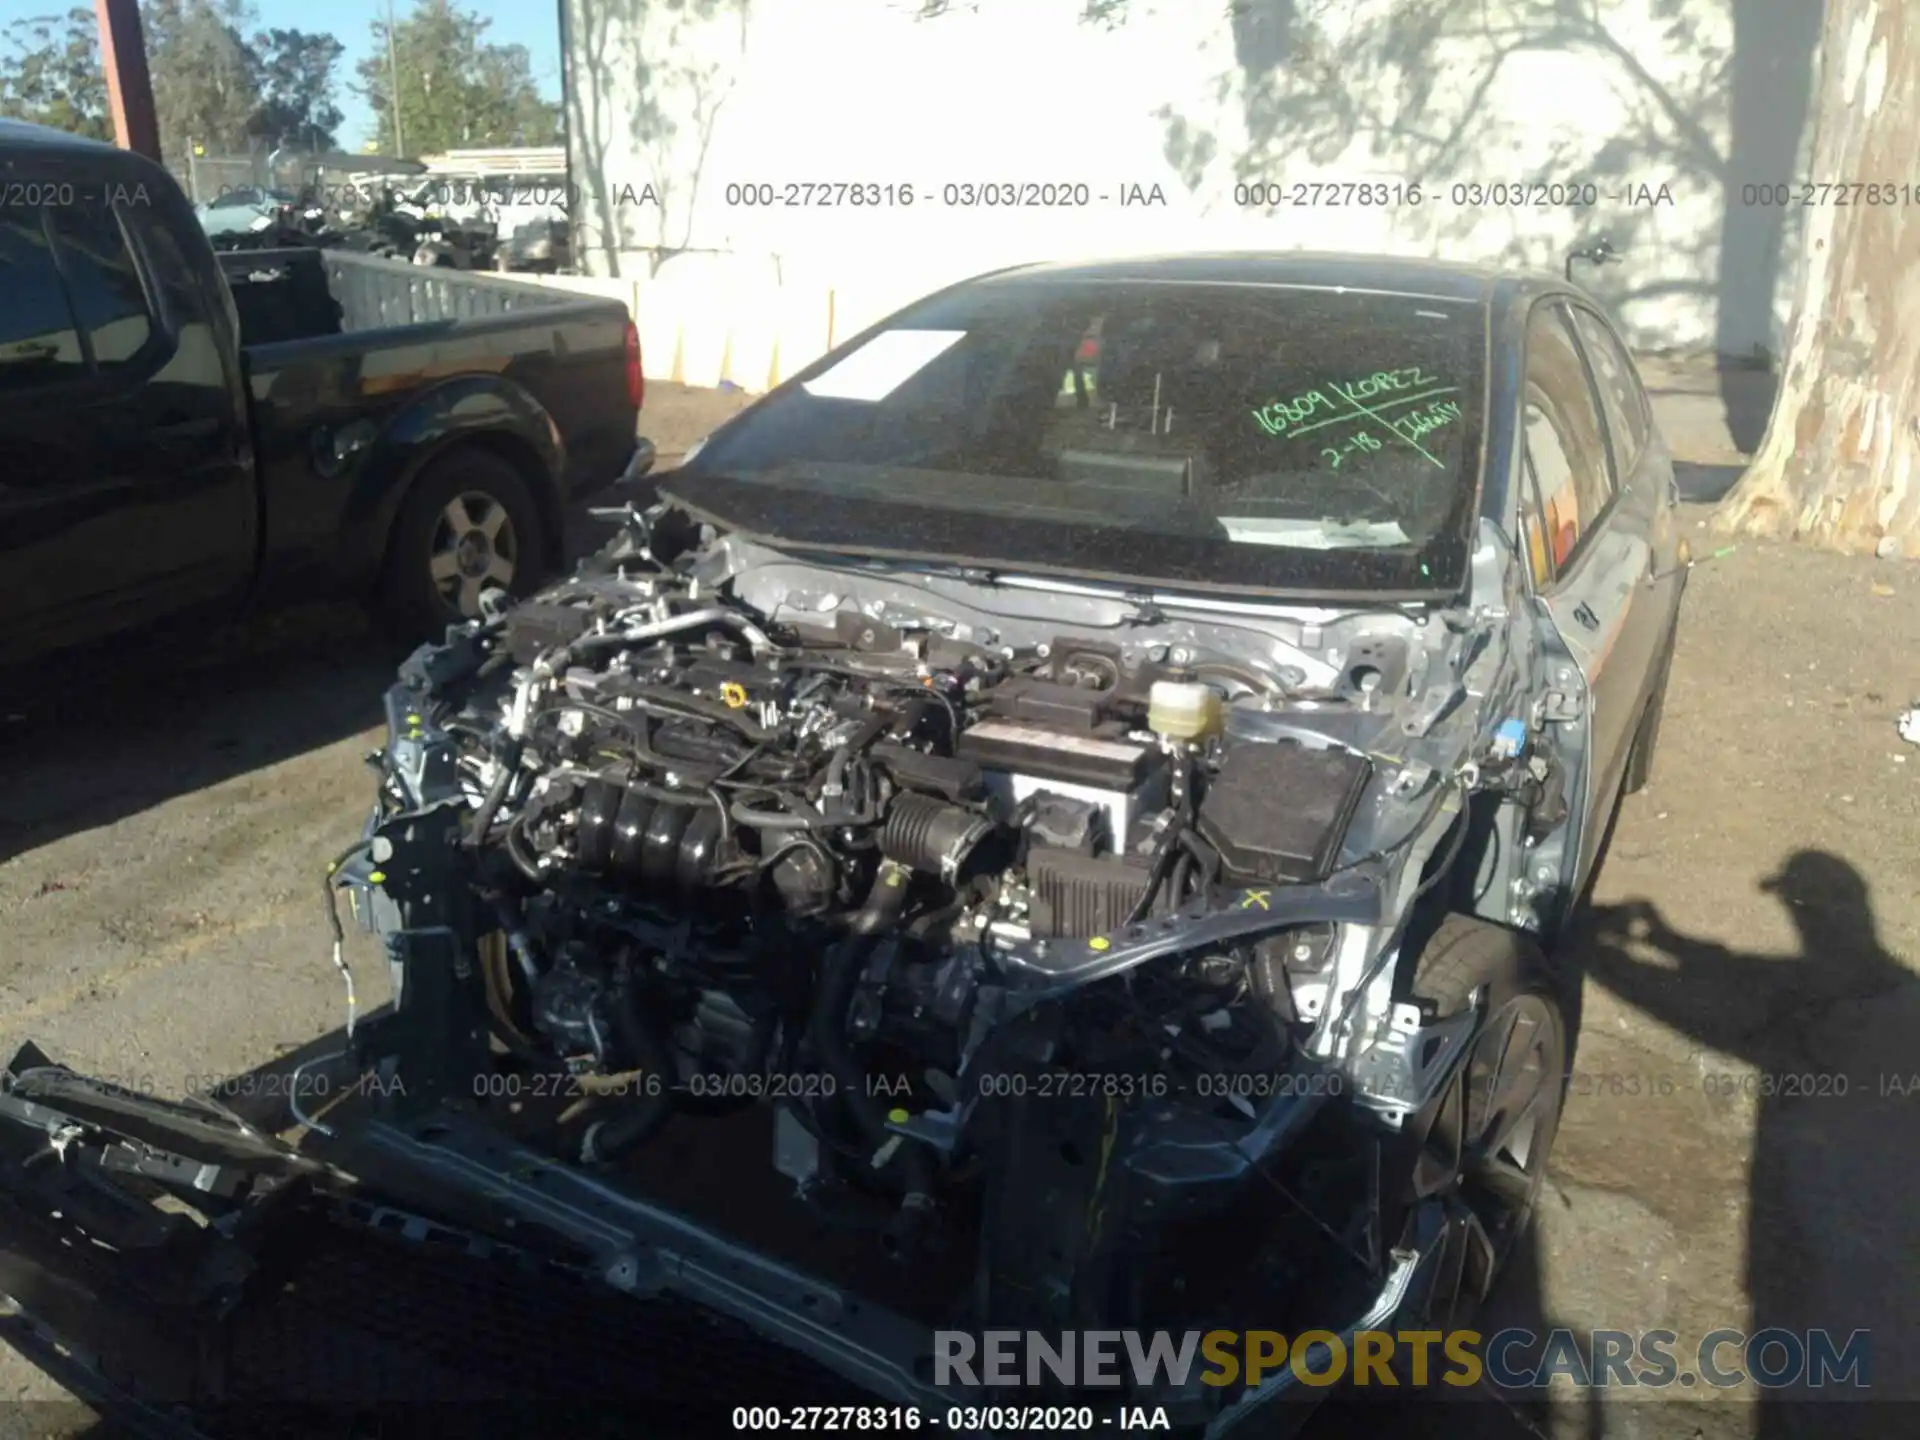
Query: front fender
point(488, 409)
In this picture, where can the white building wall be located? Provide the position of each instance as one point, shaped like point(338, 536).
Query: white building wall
point(681, 113)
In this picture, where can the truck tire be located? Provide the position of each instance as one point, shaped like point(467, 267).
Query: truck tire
point(1523, 1043)
point(468, 523)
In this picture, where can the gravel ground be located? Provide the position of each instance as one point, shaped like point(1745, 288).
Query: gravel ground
point(1749, 956)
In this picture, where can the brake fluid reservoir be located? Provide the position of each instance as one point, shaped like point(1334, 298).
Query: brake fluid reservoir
point(1183, 710)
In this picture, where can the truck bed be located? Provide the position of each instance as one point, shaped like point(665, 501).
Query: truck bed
point(335, 343)
point(311, 293)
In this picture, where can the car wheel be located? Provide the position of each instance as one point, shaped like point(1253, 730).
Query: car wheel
point(1481, 1148)
point(1647, 736)
point(469, 524)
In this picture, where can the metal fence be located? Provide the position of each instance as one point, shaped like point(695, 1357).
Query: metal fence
point(206, 177)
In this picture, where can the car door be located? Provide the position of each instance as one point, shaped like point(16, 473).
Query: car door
point(1651, 498)
point(1596, 557)
point(126, 494)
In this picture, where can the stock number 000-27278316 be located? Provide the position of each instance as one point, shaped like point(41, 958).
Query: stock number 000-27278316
point(900, 1419)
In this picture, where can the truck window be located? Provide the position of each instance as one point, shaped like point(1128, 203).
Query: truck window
point(39, 343)
point(71, 299)
point(103, 282)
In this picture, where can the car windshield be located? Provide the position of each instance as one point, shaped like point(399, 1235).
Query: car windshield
point(1249, 437)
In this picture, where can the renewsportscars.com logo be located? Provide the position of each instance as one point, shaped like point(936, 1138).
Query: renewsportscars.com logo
point(1512, 1359)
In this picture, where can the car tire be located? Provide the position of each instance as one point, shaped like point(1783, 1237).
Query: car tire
point(468, 523)
point(1526, 998)
point(1646, 737)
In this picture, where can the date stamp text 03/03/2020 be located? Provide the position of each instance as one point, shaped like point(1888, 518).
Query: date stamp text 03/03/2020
point(1066, 193)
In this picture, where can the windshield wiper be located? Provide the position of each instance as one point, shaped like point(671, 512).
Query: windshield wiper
point(856, 560)
point(969, 574)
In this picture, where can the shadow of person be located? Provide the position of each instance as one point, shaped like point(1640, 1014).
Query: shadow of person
point(1823, 1042)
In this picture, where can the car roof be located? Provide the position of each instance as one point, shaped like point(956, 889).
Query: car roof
point(1394, 274)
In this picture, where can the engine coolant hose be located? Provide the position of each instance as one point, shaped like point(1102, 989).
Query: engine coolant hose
point(508, 766)
point(607, 1140)
point(839, 978)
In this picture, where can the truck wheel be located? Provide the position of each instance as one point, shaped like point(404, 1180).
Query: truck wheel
point(1482, 1147)
point(469, 524)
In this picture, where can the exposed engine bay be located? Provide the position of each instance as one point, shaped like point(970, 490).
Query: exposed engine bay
point(748, 862)
point(877, 955)
point(957, 883)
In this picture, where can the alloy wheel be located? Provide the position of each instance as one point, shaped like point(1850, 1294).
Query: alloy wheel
point(474, 547)
point(1485, 1150)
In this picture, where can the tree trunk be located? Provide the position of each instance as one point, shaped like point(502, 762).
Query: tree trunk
point(1840, 464)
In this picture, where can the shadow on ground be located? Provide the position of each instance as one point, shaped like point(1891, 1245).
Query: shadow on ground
point(1705, 484)
point(92, 738)
point(1828, 1034)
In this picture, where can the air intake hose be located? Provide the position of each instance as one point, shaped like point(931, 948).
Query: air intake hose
point(839, 978)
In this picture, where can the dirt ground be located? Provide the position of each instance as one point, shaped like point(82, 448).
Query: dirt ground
point(162, 840)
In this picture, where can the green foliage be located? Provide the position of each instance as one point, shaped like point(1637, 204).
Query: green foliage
point(50, 74)
point(204, 86)
point(296, 88)
point(211, 86)
point(456, 90)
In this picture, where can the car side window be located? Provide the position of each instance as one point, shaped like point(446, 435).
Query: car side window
point(109, 299)
point(1533, 525)
point(39, 342)
point(1621, 395)
point(1565, 444)
point(1553, 469)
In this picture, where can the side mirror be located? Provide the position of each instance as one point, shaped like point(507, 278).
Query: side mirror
point(1600, 252)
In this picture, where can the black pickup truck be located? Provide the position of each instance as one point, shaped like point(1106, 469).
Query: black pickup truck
point(184, 434)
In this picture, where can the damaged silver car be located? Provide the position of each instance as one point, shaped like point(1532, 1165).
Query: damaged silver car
point(1074, 794)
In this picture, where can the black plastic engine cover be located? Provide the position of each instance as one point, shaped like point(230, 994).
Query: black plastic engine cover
point(1058, 707)
point(1106, 764)
point(957, 780)
point(640, 838)
point(1279, 811)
